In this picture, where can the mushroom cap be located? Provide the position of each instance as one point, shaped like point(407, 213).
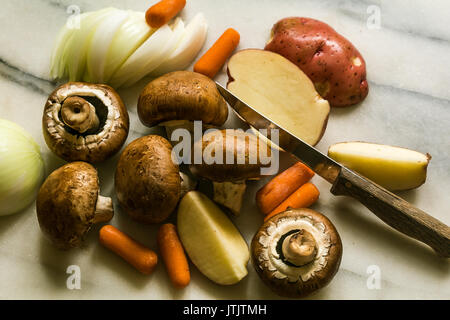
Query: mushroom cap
point(147, 181)
point(242, 162)
point(90, 147)
point(182, 95)
point(66, 204)
point(286, 279)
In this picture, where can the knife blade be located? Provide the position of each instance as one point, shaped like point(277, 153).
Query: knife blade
point(323, 165)
point(393, 210)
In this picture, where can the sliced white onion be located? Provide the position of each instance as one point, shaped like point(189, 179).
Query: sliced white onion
point(59, 55)
point(177, 33)
point(133, 32)
point(143, 60)
point(190, 45)
point(76, 49)
point(58, 49)
point(100, 44)
point(118, 47)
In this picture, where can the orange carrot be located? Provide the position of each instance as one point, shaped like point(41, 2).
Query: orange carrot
point(161, 12)
point(131, 251)
point(303, 197)
point(213, 59)
point(282, 186)
point(173, 255)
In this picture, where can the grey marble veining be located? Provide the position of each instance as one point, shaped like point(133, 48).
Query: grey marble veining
point(408, 105)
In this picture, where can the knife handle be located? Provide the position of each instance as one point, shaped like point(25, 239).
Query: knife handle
point(393, 210)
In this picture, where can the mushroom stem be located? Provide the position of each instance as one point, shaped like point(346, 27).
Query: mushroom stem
point(299, 248)
point(187, 184)
point(103, 210)
point(172, 125)
point(79, 114)
point(230, 195)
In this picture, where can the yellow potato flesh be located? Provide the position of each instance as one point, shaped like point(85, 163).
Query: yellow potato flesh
point(211, 240)
point(280, 91)
point(393, 168)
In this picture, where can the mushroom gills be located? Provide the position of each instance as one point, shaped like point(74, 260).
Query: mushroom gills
point(297, 252)
point(85, 122)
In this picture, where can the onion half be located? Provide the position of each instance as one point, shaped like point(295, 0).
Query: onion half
point(21, 168)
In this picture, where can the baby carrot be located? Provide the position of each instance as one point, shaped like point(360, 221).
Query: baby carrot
point(282, 186)
point(213, 59)
point(131, 251)
point(161, 13)
point(303, 197)
point(173, 255)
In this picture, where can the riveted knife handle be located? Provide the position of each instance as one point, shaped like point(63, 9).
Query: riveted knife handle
point(393, 210)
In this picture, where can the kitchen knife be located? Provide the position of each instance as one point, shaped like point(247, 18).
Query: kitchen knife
point(396, 212)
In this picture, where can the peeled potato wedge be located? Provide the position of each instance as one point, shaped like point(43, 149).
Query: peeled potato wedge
point(211, 240)
point(280, 91)
point(393, 168)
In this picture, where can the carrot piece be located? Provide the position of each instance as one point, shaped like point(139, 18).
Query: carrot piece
point(161, 13)
point(173, 255)
point(213, 59)
point(140, 257)
point(282, 186)
point(303, 197)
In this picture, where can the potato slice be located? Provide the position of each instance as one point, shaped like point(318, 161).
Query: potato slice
point(280, 91)
point(394, 168)
point(211, 240)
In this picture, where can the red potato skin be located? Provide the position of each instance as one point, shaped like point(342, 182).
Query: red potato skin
point(325, 56)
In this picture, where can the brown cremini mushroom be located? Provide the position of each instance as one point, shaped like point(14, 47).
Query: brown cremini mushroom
point(296, 252)
point(229, 158)
point(147, 181)
point(69, 203)
point(85, 122)
point(177, 98)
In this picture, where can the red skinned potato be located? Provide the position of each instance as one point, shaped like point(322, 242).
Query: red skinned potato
point(333, 64)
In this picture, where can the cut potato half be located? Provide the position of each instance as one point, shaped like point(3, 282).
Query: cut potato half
point(211, 240)
point(280, 91)
point(393, 168)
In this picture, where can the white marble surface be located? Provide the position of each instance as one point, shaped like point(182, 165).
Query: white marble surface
point(408, 105)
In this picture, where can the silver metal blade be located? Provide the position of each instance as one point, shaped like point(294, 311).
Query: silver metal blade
point(324, 166)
